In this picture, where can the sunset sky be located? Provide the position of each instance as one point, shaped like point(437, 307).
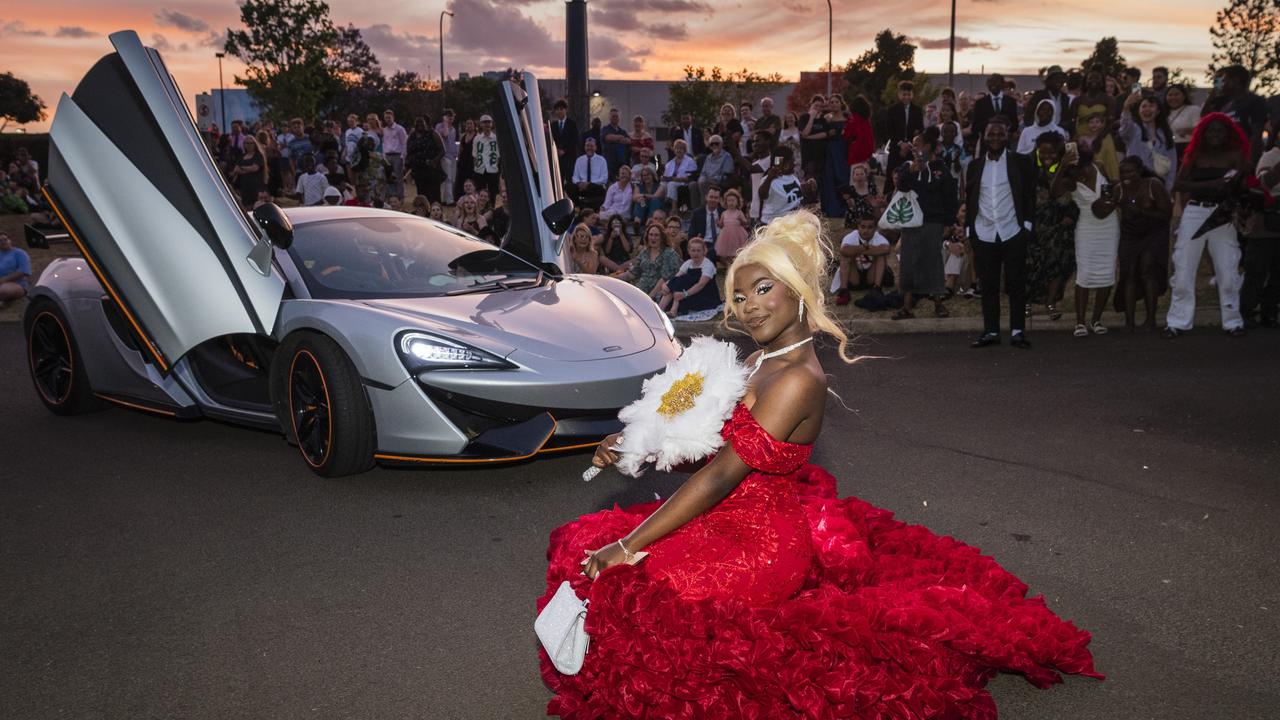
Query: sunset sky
point(53, 44)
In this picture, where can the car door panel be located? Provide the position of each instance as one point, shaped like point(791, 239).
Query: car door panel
point(132, 176)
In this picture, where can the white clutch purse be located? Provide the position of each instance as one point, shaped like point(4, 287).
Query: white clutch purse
point(561, 628)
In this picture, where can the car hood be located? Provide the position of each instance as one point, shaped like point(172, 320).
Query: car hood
point(564, 320)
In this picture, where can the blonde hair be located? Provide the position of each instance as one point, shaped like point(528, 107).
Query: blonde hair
point(792, 248)
point(733, 193)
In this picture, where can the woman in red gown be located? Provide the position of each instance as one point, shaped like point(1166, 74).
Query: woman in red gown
point(766, 596)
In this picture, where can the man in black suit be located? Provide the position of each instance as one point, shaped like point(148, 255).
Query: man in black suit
point(1054, 79)
point(565, 133)
point(691, 135)
point(995, 103)
point(1000, 205)
point(703, 221)
point(903, 120)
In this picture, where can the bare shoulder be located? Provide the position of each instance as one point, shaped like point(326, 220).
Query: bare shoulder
point(801, 380)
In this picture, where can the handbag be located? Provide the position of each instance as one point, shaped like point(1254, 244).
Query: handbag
point(561, 628)
point(1160, 163)
point(903, 212)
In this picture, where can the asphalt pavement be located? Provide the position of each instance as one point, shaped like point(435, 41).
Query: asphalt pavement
point(159, 569)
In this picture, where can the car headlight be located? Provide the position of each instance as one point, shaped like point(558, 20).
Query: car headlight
point(423, 351)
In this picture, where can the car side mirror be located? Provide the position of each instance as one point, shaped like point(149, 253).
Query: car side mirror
point(275, 224)
point(559, 215)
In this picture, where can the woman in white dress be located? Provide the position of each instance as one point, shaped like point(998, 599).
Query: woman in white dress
point(1097, 237)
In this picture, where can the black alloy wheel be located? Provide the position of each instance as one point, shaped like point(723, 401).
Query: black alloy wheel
point(54, 361)
point(309, 408)
point(322, 404)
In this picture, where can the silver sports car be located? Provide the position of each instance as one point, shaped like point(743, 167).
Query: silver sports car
point(365, 336)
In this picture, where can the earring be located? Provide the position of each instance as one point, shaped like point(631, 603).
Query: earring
point(801, 308)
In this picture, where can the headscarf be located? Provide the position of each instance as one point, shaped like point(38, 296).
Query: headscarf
point(1031, 134)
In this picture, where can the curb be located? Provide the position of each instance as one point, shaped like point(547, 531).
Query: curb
point(1039, 323)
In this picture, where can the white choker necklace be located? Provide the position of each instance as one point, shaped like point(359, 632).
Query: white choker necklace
point(775, 353)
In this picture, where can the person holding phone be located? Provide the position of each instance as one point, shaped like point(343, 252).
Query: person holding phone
point(780, 191)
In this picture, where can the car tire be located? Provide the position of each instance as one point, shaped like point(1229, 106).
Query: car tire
point(321, 405)
point(53, 359)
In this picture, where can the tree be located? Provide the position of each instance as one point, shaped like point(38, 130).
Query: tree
point(286, 45)
point(880, 68)
point(1106, 57)
point(702, 92)
point(352, 61)
point(1247, 33)
point(813, 84)
point(472, 97)
point(17, 102)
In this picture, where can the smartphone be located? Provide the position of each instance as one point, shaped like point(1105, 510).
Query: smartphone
point(1070, 148)
point(1136, 87)
point(777, 160)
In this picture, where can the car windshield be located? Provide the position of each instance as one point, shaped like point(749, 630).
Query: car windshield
point(401, 256)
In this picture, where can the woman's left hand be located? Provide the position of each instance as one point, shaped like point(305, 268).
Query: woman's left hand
point(605, 557)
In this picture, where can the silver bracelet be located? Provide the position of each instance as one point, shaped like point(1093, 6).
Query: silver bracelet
point(626, 554)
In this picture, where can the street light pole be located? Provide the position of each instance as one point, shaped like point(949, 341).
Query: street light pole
point(951, 63)
point(830, 32)
point(443, 103)
point(222, 93)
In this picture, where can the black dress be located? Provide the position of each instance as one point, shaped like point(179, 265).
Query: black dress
point(1144, 253)
point(250, 183)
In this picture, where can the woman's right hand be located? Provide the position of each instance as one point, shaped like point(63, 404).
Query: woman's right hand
point(606, 451)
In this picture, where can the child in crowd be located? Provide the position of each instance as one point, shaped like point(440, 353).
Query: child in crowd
point(955, 246)
point(694, 286)
point(864, 255)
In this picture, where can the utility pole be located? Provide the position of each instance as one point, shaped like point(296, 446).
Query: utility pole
point(830, 32)
point(443, 103)
point(222, 94)
point(951, 62)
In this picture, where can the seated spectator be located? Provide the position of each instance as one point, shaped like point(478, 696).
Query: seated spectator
point(648, 196)
point(717, 168)
point(677, 174)
point(590, 175)
point(864, 255)
point(332, 196)
point(863, 195)
point(647, 159)
point(437, 212)
point(583, 255)
point(25, 170)
point(694, 286)
point(13, 198)
point(655, 261)
point(676, 236)
point(616, 246)
point(309, 189)
point(15, 271)
point(780, 191)
point(469, 219)
point(421, 206)
point(618, 199)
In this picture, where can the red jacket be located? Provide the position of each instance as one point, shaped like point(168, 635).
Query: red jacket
point(861, 139)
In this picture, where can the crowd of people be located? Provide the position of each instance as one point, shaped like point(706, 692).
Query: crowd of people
point(1090, 177)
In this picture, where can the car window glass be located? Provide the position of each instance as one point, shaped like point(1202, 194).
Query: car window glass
point(376, 257)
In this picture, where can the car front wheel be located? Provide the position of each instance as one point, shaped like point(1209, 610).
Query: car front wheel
point(321, 404)
point(54, 361)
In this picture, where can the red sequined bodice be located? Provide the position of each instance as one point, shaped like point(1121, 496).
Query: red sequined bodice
point(754, 544)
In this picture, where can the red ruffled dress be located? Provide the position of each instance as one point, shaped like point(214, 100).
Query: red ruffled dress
point(784, 601)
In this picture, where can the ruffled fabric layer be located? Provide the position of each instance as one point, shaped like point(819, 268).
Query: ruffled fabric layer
point(892, 621)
